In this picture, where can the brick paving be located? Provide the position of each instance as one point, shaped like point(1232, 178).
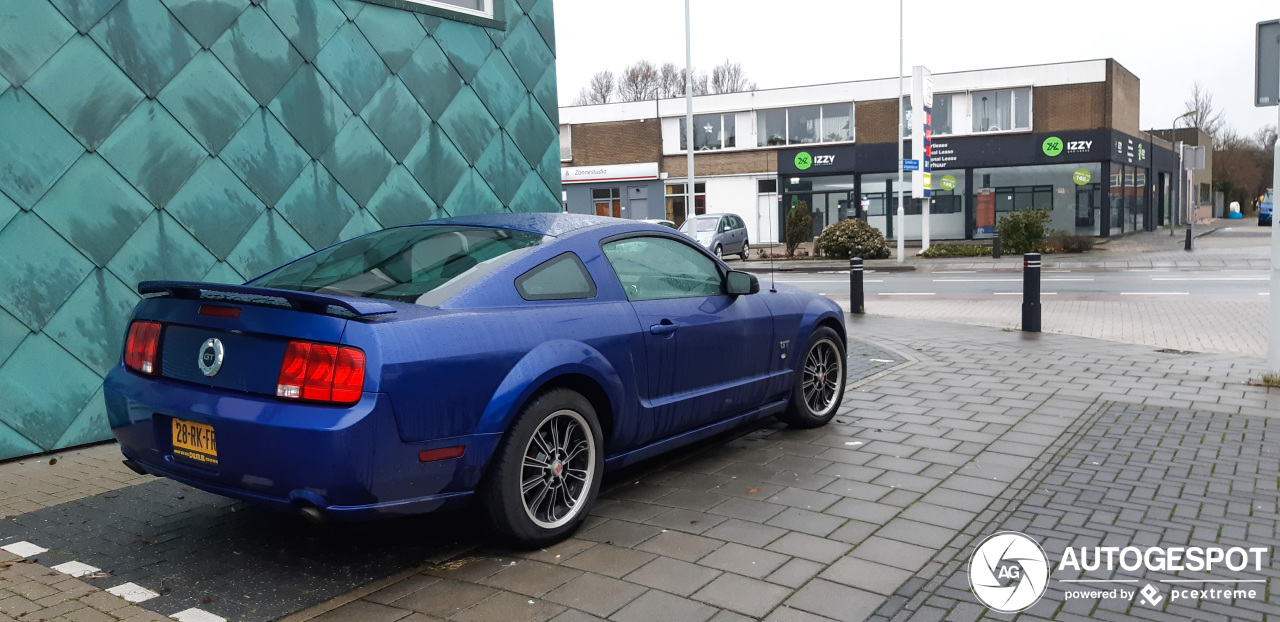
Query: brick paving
point(866, 516)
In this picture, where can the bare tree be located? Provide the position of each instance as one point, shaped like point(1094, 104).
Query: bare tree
point(598, 91)
point(638, 82)
point(729, 78)
point(1265, 137)
point(670, 81)
point(1202, 115)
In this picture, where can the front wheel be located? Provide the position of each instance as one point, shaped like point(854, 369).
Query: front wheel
point(719, 252)
point(819, 384)
point(547, 471)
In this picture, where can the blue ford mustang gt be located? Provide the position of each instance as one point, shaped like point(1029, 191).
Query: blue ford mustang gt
point(510, 359)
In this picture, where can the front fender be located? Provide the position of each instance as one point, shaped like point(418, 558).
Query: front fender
point(541, 365)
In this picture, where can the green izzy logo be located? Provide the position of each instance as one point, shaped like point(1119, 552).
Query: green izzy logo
point(1082, 177)
point(803, 160)
point(948, 182)
point(1052, 146)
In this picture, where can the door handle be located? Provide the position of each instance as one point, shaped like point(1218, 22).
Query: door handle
point(663, 329)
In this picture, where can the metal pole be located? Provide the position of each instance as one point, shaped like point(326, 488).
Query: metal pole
point(857, 300)
point(902, 242)
point(995, 245)
point(1031, 293)
point(1273, 342)
point(689, 210)
point(901, 134)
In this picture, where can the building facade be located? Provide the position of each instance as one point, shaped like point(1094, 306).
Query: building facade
point(216, 139)
point(1062, 137)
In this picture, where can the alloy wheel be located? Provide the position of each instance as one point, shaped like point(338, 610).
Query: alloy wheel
point(823, 371)
point(559, 465)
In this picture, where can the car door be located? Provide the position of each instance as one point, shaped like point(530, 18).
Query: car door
point(739, 233)
point(707, 352)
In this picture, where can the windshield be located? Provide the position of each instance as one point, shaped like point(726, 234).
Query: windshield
point(704, 225)
point(403, 263)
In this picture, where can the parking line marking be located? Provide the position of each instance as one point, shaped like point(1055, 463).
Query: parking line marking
point(907, 294)
point(1155, 293)
point(76, 569)
point(1220, 278)
point(196, 615)
point(23, 549)
point(132, 592)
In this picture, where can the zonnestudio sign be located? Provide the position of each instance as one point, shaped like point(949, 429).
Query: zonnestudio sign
point(1010, 572)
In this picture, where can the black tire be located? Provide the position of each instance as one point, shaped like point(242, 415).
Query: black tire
point(816, 397)
point(719, 252)
point(504, 495)
point(746, 249)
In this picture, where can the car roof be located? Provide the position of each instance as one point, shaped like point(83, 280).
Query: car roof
point(554, 224)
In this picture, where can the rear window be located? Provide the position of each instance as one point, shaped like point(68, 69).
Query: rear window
point(403, 264)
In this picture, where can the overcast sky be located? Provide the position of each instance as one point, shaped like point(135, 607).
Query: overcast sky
point(1167, 44)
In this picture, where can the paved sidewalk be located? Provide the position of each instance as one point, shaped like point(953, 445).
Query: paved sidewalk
point(1073, 440)
point(1156, 249)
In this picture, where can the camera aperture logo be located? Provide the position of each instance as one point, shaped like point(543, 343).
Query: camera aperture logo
point(1008, 572)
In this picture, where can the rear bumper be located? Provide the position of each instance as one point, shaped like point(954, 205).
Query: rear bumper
point(347, 462)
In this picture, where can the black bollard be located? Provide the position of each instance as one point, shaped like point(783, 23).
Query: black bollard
point(995, 246)
point(856, 299)
point(1188, 245)
point(1031, 293)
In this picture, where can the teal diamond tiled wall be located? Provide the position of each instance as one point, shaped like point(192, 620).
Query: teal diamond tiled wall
point(216, 139)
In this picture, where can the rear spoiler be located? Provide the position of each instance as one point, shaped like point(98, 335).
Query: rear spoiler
point(302, 301)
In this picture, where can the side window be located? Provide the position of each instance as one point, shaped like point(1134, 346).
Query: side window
point(725, 224)
point(737, 222)
point(562, 277)
point(651, 268)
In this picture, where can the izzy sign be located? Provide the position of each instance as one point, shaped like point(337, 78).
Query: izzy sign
point(1054, 146)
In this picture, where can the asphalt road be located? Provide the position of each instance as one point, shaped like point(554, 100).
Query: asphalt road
point(1240, 285)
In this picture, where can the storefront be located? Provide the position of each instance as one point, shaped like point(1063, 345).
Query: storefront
point(619, 190)
point(1093, 182)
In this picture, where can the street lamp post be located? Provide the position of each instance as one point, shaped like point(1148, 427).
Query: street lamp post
point(689, 210)
point(901, 224)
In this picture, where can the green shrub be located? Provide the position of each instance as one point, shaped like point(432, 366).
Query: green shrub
point(852, 238)
point(799, 225)
point(1023, 231)
point(1065, 242)
point(957, 250)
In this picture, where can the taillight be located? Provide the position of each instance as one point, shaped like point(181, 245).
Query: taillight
point(141, 347)
point(320, 372)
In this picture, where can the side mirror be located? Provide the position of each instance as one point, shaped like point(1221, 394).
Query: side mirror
point(740, 283)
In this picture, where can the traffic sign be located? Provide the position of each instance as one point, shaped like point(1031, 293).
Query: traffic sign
point(910, 165)
point(1267, 65)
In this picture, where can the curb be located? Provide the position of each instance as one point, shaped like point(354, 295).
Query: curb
point(842, 268)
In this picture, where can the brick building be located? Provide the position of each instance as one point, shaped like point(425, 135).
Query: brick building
point(834, 147)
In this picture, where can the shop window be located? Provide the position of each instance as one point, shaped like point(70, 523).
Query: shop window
point(803, 125)
point(1001, 111)
point(766, 186)
point(941, 113)
point(566, 143)
point(710, 131)
point(676, 201)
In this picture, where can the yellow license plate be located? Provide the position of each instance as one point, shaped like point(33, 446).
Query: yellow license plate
point(194, 441)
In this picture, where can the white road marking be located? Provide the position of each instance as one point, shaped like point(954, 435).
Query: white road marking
point(975, 280)
point(23, 549)
point(1020, 293)
point(880, 360)
point(1264, 293)
point(196, 615)
point(1155, 293)
point(76, 569)
point(1222, 278)
point(132, 592)
point(906, 294)
point(1147, 270)
point(956, 272)
point(1088, 279)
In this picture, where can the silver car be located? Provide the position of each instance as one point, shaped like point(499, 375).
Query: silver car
point(722, 234)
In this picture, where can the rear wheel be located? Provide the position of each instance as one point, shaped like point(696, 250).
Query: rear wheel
point(819, 385)
point(547, 471)
point(746, 250)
